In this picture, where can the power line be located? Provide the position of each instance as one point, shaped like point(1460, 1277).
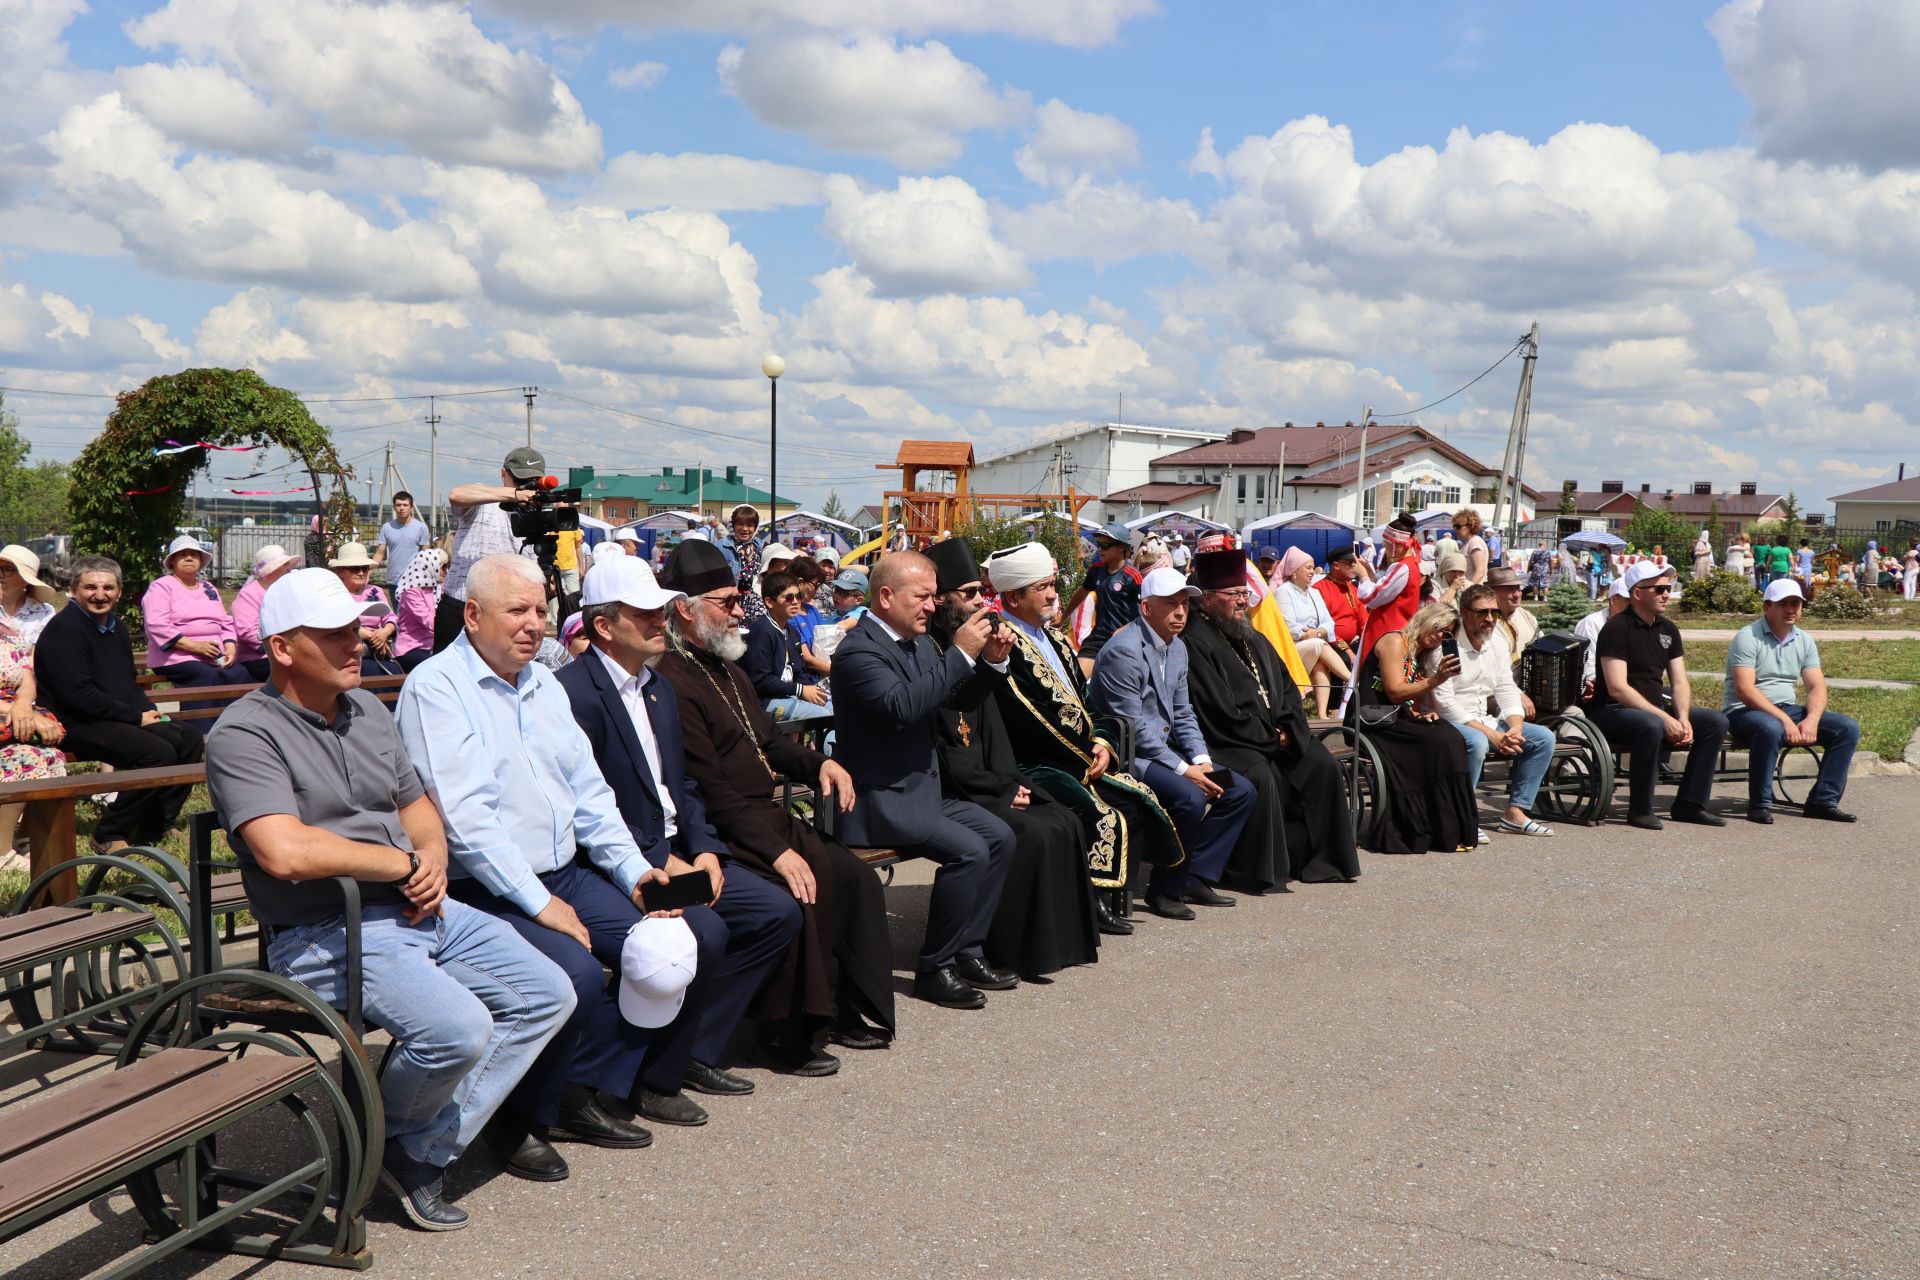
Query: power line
point(1451, 394)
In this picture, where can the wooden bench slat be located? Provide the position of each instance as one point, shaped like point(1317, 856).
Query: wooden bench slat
point(871, 856)
point(76, 786)
point(119, 1139)
point(31, 948)
point(47, 1116)
point(40, 918)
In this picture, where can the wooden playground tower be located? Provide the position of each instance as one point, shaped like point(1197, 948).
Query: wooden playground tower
point(927, 512)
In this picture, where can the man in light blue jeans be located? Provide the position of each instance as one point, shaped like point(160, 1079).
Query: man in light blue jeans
point(1486, 681)
point(310, 780)
point(1765, 661)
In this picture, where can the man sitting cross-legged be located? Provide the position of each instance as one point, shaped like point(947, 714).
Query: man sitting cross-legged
point(310, 779)
point(538, 842)
point(1763, 663)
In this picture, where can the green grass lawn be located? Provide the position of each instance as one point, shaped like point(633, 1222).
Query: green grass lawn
point(1892, 614)
point(1887, 716)
point(1840, 659)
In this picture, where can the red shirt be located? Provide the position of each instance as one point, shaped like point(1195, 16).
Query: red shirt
point(1343, 602)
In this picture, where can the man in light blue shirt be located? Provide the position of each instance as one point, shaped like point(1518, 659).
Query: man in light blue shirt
point(493, 737)
point(1764, 662)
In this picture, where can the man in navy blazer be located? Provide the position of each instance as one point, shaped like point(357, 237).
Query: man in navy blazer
point(1141, 675)
point(889, 683)
point(632, 720)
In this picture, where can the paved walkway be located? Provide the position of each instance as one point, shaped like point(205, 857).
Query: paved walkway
point(1607, 1054)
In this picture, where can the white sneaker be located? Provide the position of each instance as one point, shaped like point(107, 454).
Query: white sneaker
point(1484, 837)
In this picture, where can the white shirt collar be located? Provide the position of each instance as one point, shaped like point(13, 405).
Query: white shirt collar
point(882, 624)
point(621, 680)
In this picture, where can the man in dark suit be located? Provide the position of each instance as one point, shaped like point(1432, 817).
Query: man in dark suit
point(890, 681)
point(632, 720)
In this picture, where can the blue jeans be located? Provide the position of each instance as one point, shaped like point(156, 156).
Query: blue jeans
point(1529, 767)
point(470, 1005)
point(1765, 735)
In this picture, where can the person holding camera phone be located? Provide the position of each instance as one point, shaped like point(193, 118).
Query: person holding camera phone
point(1429, 804)
point(537, 840)
point(482, 528)
point(1141, 676)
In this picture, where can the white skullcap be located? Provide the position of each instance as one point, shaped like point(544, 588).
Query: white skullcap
point(1020, 566)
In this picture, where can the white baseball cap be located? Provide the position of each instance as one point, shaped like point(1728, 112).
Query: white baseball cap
point(1784, 589)
point(1645, 571)
point(307, 598)
point(1620, 588)
point(778, 551)
point(1166, 581)
point(625, 580)
point(657, 964)
point(625, 535)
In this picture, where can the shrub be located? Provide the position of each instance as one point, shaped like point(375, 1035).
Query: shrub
point(1720, 592)
point(1840, 602)
point(1565, 605)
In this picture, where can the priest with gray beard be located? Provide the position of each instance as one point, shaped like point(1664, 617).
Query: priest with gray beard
point(1255, 724)
point(837, 979)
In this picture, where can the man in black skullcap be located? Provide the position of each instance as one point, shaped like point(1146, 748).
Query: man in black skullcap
point(1255, 724)
point(1045, 920)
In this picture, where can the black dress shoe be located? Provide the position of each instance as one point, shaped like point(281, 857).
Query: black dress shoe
point(583, 1119)
point(534, 1159)
point(1201, 894)
point(420, 1188)
point(1168, 908)
point(1696, 814)
point(1761, 814)
point(669, 1108)
point(944, 988)
point(1646, 822)
point(802, 1060)
point(977, 971)
point(1826, 813)
point(702, 1078)
point(858, 1035)
point(1106, 922)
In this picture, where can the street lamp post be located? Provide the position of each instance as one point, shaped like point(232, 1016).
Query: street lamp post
point(773, 366)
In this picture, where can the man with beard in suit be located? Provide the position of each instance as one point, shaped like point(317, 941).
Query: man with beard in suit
point(889, 684)
point(1254, 722)
point(1045, 921)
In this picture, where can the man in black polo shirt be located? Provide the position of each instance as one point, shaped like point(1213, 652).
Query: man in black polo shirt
point(311, 782)
point(1115, 587)
point(1640, 651)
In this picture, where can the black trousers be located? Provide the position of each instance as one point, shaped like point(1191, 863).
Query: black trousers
point(1641, 735)
point(449, 618)
point(974, 850)
point(143, 816)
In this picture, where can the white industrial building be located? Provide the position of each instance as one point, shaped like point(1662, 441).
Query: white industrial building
point(1099, 459)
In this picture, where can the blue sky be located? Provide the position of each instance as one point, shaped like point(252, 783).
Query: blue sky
point(986, 219)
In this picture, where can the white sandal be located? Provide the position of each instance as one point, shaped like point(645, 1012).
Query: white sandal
point(1527, 828)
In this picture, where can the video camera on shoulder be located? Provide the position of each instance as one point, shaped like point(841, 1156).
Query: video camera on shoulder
point(548, 513)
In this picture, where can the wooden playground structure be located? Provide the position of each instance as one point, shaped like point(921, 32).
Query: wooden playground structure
point(927, 512)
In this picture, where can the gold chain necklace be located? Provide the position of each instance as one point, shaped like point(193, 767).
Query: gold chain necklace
point(731, 698)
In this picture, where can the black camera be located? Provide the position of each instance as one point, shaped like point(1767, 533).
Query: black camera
point(544, 516)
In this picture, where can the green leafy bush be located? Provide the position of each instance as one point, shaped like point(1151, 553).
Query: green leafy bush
point(1565, 605)
point(1720, 592)
point(1840, 602)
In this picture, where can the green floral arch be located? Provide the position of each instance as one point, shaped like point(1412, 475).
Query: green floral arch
point(110, 513)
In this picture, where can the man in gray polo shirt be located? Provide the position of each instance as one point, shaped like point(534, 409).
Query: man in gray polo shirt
point(310, 781)
point(1764, 661)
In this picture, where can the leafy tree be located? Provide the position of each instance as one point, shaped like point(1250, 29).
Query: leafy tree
point(33, 499)
point(832, 509)
point(1567, 506)
point(1653, 527)
point(127, 500)
point(990, 533)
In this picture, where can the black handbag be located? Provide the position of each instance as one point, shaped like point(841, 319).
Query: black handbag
point(1378, 715)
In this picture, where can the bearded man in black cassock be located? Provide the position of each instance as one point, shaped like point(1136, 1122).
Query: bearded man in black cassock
point(1255, 723)
point(1046, 917)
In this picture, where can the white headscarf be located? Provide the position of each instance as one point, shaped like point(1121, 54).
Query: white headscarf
point(1020, 566)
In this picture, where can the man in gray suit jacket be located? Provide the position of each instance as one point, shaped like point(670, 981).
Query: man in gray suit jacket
point(889, 683)
point(1141, 675)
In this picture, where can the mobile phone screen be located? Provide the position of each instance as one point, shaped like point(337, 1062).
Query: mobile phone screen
point(694, 889)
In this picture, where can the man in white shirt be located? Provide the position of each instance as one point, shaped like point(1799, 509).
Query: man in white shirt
point(1486, 681)
point(1588, 629)
point(1181, 553)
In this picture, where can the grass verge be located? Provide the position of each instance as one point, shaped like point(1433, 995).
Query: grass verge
point(1840, 659)
point(1887, 717)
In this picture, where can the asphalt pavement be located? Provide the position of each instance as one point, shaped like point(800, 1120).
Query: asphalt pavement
point(1609, 1054)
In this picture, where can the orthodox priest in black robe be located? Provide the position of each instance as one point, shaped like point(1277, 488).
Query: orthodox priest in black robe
point(838, 975)
point(1043, 703)
point(1254, 722)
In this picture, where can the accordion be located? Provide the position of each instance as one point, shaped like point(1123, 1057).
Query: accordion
point(1552, 671)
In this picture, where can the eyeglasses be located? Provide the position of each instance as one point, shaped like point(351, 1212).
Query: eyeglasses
point(7, 570)
point(1233, 593)
point(1664, 588)
point(969, 592)
point(725, 604)
point(1483, 613)
point(787, 597)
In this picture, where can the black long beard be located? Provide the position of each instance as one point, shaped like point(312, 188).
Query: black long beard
point(948, 617)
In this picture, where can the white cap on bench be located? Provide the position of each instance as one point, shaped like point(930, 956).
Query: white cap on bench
point(307, 598)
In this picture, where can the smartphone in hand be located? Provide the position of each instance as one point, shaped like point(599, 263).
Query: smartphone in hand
point(693, 889)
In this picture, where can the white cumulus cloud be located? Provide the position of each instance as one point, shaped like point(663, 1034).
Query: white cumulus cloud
point(1068, 22)
point(1067, 143)
point(696, 180)
point(206, 106)
point(928, 235)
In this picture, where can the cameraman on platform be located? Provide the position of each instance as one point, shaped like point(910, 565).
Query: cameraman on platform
point(481, 528)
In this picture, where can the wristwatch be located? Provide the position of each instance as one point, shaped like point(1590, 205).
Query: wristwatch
point(413, 869)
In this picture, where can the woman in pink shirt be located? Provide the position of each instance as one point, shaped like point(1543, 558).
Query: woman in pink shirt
point(270, 564)
point(354, 567)
point(418, 593)
point(190, 638)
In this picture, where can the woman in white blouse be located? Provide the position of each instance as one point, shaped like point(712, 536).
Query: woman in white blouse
point(1310, 624)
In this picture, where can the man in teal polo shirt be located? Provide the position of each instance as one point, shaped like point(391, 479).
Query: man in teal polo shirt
point(1764, 662)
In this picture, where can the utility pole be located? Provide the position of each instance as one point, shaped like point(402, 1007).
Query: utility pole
point(433, 465)
point(1515, 456)
point(700, 503)
point(529, 393)
point(1360, 487)
point(386, 480)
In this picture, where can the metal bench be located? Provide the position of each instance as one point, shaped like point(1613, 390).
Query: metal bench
point(62, 1149)
point(1789, 789)
point(51, 810)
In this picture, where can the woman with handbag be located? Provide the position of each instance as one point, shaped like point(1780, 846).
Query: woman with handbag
point(1427, 790)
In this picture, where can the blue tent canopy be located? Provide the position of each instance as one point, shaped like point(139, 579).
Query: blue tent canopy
point(1313, 533)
